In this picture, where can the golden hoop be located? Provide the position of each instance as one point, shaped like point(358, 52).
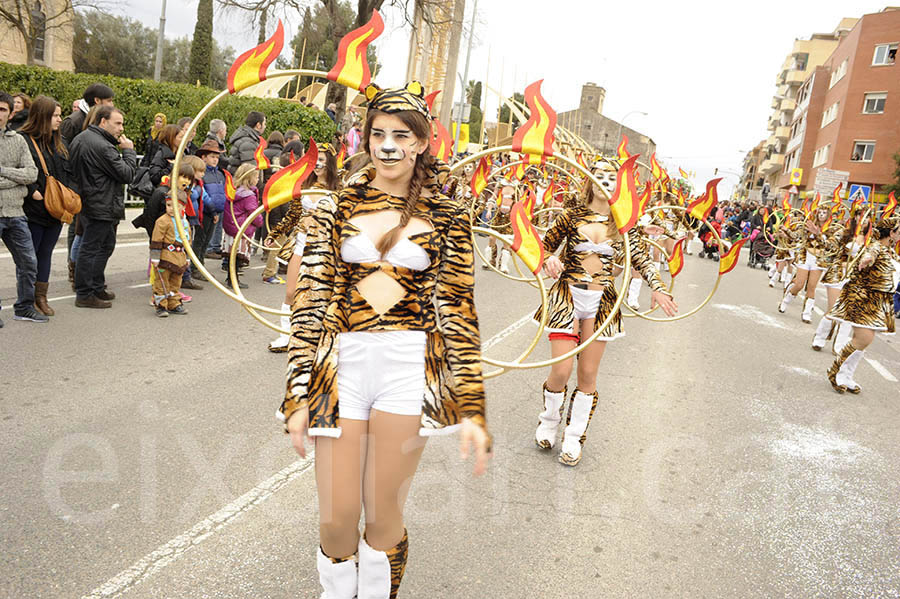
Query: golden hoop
point(635, 313)
point(771, 240)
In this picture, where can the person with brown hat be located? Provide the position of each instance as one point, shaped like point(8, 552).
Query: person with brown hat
point(213, 180)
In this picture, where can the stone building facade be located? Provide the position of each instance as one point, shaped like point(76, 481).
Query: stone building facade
point(52, 47)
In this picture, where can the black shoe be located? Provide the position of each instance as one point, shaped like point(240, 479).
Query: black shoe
point(161, 312)
point(213, 254)
point(106, 295)
point(190, 284)
point(92, 301)
point(241, 284)
point(179, 309)
point(1, 324)
point(30, 315)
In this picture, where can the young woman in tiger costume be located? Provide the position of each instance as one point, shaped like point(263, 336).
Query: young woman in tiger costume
point(579, 301)
point(866, 302)
point(294, 227)
point(814, 236)
point(370, 375)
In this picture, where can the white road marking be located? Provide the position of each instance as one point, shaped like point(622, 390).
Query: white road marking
point(164, 555)
point(62, 297)
point(882, 370)
point(798, 370)
point(752, 313)
point(131, 244)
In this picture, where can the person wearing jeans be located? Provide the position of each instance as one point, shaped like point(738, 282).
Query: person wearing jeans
point(17, 170)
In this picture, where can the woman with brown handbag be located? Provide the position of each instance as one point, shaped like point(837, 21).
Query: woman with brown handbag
point(50, 155)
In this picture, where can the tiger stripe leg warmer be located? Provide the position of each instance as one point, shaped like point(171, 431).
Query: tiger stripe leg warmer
point(836, 367)
point(337, 576)
point(549, 419)
point(380, 572)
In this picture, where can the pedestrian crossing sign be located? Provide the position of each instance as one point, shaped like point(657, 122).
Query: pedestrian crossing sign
point(860, 192)
point(796, 176)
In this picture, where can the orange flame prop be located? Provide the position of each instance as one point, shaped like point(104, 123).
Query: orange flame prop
point(251, 67)
point(580, 160)
point(352, 66)
point(262, 162)
point(815, 203)
point(655, 169)
point(287, 183)
point(676, 260)
point(480, 178)
point(827, 223)
point(441, 142)
point(679, 193)
point(786, 202)
point(646, 194)
point(683, 173)
point(891, 205)
point(547, 198)
point(625, 203)
point(230, 191)
point(622, 150)
point(520, 170)
point(526, 241)
point(702, 206)
point(730, 259)
point(535, 137)
point(530, 202)
point(836, 194)
point(429, 99)
point(342, 155)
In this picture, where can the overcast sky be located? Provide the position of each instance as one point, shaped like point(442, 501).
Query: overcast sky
point(703, 71)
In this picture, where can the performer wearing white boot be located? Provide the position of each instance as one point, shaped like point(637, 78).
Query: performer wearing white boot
point(866, 302)
point(834, 260)
point(581, 298)
point(370, 373)
point(808, 270)
point(505, 256)
point(294, 226)
point(499, 252)
point(634, 292)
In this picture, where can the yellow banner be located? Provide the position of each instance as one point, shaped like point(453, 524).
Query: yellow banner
point(464, 138)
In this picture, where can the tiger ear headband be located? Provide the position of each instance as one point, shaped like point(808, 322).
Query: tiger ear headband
point(411, 97)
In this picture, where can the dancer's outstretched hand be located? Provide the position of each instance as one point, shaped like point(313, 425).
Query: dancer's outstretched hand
point(553, 266)
point(666, 302)
point(297, 426)
point(474, 435)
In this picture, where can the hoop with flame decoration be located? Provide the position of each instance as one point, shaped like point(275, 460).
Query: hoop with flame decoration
point(252, 67)
point(783, 218)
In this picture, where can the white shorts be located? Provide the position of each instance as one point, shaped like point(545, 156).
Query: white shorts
point(810, 263)
point(382, 370)
point(300, 243)
point(586, 301)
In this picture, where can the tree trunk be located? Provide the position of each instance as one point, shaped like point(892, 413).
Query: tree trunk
point(263, 21)
point(201, 47)
point(447, 97)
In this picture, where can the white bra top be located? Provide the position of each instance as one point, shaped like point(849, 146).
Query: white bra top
point(595, 248)
point(359, 249)
point(309, 203)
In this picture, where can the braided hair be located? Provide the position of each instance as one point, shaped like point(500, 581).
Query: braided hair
point(421, 129)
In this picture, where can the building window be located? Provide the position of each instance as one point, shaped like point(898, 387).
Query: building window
point(830, 114)
point(839, 73)
point(885, 54)
point(38, 31)
point(863, 151)
point(821, 156)
point(800, 61)
point(874, 103)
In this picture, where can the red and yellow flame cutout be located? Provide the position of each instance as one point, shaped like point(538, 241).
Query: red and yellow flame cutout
point(429, 99)
point(625, 202)
point(655, 169)
point(526, 241)
point(786, 202)
point(679, 194)
point(684, 174)
point(646, 194)
point(547, 198)
point(441, 142)
point(230, 191)
point(262, 162)
point(622, 150)
point(827, 223)
point(580, 160)
point(535, 137)
point(352, 66)
point(836, 194)
point(520, 170)
point(530, 203)
point(251, 67)
point(890, 206)
point(730, 259)
point(287, 183)
point(480, 178)
point(342, 155)
point(815, 204)
point(676, 260)
point(702, 206)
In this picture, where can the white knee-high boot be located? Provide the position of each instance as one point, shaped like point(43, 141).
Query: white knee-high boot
point(634, 294)
point(380, 572)
point(337, 577)
point(504, 261)
point(488, 255)
point(822, 333)
point(787, 299)
point(848, 369)
point(808, 304)
point(281, 344)
point(581, 410)
point(844, 333)
point(549, 418)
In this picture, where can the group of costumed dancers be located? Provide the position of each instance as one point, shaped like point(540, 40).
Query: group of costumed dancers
point(384, 348)
point(856, 261)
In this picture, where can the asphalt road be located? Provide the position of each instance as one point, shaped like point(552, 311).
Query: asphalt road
point(142, 458)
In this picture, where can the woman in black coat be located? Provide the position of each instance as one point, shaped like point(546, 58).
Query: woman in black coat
point(161, 164)
point(152, 145)
point(41, 133)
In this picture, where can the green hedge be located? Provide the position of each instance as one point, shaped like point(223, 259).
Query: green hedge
point(140, 99)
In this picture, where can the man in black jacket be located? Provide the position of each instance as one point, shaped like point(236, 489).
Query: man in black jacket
point(101, 173)
point(245, 140)
point(95, 94)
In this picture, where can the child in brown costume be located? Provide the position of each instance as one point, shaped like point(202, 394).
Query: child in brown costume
point(167, 258)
